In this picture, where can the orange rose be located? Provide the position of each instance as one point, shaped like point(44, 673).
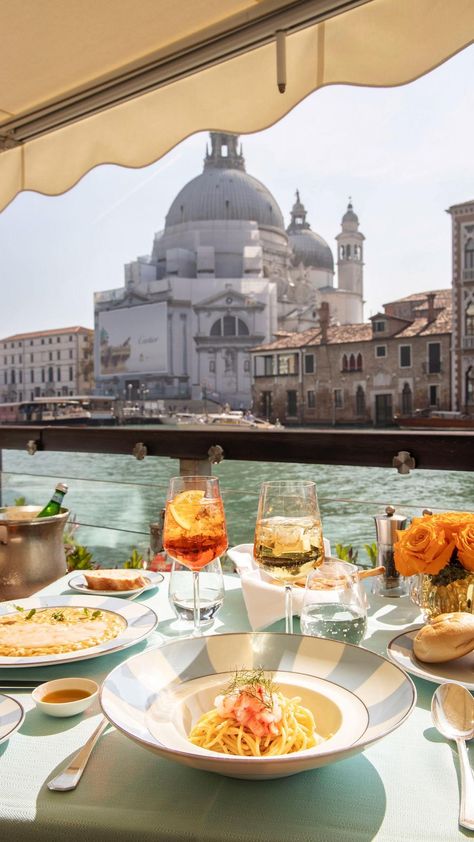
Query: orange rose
point(451, 522)
point(422, 548)
point(465, 545)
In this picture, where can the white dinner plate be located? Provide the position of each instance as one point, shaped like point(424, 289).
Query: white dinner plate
point(400, 651)
point(11, 716)
point(357, 697)
point(140, 621)
point(78, 583)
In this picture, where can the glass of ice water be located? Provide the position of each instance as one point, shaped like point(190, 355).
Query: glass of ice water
point(334, 603)
point(211, 593)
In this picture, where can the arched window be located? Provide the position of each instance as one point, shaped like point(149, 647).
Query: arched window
point(344, 363)
point(469, 254)
point(342, 252)
point(407, 400)
point(229, 326)
point(352, 363)
point(470, 386)
point(470, 319)
point(348, 251)
point(50, 374)
point(360, 401)
point(359, 362)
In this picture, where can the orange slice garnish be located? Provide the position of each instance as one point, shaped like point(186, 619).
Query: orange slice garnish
point(185, 506)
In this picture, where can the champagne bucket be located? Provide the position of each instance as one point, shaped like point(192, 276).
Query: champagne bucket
point(31, 550)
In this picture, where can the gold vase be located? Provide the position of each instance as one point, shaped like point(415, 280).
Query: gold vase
point(434, 598)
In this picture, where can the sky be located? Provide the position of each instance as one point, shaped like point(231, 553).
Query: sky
point(403, 154)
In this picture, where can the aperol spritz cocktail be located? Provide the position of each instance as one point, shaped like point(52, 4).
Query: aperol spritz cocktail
point(194, 530)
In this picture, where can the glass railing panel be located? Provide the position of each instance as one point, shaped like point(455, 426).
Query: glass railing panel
point(114, 498)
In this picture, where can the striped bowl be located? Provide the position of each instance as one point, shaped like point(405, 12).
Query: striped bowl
point(356, 696)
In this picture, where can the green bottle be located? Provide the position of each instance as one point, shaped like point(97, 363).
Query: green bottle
point(54, 505)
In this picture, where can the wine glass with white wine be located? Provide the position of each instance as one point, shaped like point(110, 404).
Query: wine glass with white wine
point(288, 534)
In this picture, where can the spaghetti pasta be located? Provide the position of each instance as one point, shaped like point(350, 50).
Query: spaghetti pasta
point(254, 721)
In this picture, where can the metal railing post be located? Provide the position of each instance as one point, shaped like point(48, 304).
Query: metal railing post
point(195, 468)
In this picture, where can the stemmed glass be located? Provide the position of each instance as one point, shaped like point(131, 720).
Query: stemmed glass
point(288, 534)
point(194, 531)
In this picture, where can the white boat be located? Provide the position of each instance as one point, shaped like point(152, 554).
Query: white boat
point(233, 419)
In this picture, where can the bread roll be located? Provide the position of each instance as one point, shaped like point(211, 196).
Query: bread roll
point(114, 580)
point(447, 637)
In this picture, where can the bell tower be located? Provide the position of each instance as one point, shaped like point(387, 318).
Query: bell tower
point(350, 256)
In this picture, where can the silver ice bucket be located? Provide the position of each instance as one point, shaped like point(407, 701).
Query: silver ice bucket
point(31, 550)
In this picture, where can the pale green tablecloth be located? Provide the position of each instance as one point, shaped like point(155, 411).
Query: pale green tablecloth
point(403, 788)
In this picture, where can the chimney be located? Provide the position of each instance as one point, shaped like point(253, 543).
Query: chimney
point(430, 299)
point(323, 313)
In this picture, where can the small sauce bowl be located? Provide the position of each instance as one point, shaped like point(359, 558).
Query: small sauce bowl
point(57, 697)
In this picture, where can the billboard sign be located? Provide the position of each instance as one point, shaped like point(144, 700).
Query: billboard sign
point(133, 340)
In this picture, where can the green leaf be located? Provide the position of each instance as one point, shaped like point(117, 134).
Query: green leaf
point(135, 562)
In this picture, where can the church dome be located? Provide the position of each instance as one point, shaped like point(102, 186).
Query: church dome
point(308, 247)
point(225, 191)
point(311, 250)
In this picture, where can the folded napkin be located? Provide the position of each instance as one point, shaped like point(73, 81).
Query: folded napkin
point(265, 602)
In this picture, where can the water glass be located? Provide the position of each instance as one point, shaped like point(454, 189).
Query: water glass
point(211, 593)
point(334, 604)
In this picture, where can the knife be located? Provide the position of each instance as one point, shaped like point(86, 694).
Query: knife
point(20, 684)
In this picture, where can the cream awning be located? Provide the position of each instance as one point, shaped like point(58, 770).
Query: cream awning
point(88, 82)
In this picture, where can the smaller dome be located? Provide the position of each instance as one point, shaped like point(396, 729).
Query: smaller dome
point(308, 247)
point(311, 250)
point(349, 215)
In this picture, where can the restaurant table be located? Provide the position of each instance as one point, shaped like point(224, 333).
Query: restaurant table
point(404, 787)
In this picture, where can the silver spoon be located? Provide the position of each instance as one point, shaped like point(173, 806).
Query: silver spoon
point(452, 711)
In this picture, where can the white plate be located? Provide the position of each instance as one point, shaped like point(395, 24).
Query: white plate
point(400, 651)
point(78, 583)
point(140, 620)
point(357, 697)
point(11, 716)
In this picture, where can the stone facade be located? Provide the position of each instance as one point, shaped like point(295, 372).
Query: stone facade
point(48, 363)
point(359, 374)
point(223, 276)
point(462, 217)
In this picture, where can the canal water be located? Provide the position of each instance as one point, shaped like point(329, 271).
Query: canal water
point(114, 498)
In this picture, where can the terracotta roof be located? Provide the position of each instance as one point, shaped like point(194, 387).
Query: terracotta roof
point(421, 327)
point(53, 332)
point(337, 335)
point(422, 296)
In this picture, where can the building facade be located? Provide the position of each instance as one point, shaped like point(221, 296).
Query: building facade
point(359, 374)
point(49, 363)
point(462, 219)
point(222, 277)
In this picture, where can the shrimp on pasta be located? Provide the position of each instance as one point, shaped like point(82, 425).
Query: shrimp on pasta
point(252, 718)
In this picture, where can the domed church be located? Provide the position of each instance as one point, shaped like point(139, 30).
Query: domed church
point(223, 276)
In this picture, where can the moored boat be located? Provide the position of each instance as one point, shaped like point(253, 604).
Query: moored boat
point(436, 419)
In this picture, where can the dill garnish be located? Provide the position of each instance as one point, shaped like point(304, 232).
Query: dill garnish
point(96, 614)
point(254, 683)
point(59, 616)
